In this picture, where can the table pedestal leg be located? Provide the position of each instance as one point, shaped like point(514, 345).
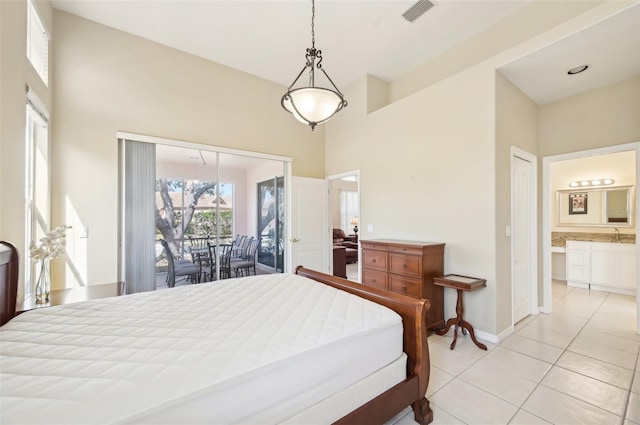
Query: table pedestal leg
point(459, 322)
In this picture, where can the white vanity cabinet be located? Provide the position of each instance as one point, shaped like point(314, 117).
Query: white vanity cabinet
point(602, 266)
point(578, 269)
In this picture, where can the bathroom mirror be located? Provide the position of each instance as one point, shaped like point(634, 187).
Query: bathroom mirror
point(601, 207)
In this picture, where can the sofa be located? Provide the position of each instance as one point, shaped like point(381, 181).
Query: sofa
point(340, 238)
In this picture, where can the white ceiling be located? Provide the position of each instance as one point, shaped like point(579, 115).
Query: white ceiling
point(269, 38)
point(611, 49)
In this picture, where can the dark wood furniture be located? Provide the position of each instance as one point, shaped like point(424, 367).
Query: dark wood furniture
point(406, 267)
point(9, 264)
point(340, 261)
point(340, 238)
point(461, 284)
point(411, 391)
point(74, 295)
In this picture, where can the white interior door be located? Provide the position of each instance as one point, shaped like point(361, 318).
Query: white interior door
point(309, 236)
point(522, 234)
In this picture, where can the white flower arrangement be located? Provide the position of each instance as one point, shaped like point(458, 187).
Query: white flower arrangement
point(52, 245)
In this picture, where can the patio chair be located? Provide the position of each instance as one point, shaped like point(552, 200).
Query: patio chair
point(201, 256)
point(225, 261)
point(182, 269)
point(242, 267)
point(244, 249)
point(237, 244)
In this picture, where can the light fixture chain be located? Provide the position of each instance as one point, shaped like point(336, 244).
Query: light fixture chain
point(313, 105)
point(313, 30)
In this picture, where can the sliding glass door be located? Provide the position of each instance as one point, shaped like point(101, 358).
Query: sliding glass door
point(202, 203)
point(271, 206)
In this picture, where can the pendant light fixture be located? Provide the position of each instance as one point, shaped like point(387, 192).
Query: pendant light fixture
point(310, 104)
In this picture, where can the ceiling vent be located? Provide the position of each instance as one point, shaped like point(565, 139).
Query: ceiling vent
point(417, 10)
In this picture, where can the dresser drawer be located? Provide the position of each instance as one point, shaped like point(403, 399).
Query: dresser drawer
point(406, 285)
point(413, 250)
point(375, 278)
point(373, 245)
point(409, 265)
point(374, 259)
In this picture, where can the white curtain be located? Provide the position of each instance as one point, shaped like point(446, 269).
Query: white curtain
point(348, 209)
point(137, 223)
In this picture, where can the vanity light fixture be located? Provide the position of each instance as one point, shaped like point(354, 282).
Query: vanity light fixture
point(594, 182)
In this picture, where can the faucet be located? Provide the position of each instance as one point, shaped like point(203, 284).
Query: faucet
point(617, 232)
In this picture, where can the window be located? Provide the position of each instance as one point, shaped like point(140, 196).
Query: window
point(348, 208)
point(37, 43)
point(36, 179)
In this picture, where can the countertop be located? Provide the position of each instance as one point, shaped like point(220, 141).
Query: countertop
point(558, 239)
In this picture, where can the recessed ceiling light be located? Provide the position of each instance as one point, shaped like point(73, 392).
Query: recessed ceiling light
point(577, 69)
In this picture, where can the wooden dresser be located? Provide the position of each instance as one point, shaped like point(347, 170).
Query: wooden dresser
point(406, 267)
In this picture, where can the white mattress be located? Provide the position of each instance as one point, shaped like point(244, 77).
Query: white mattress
point(258, 349)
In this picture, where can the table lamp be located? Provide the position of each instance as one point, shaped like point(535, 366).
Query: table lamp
point(354, 221)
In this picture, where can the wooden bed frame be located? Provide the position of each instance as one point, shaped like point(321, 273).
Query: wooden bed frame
point(412, 390)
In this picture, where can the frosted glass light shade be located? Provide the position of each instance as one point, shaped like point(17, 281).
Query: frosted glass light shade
point(312, 105)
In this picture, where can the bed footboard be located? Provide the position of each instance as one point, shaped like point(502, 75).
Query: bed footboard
point(413, 389)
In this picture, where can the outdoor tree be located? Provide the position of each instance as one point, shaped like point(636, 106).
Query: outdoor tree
point(171, 223)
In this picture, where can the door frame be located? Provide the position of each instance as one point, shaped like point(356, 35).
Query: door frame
point(287, 167)
point(330, 206)
point(533, 230)
point(546, 215)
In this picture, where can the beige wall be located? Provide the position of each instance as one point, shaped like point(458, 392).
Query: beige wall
point(107, 80)
point(15, 74)
point(516, 125)
point(431, 163)
point(606, 116)
point(425, 163)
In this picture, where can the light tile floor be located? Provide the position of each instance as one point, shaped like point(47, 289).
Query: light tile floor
point(578, 365)
point(352, 272)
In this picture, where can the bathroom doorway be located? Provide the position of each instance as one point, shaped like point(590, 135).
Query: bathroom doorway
point(345, 213)
point(549, 217)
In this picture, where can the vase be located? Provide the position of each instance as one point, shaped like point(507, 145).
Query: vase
point(43, 284)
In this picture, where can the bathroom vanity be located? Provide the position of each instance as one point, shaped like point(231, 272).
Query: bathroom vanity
point(601, 266)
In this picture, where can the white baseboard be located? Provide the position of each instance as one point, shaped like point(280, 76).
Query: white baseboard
point(486, 336)
point(495, 339)
point(506, 333)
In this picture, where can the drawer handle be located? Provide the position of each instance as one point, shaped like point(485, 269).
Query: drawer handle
point(374, 280)
point(404, 266)
point(373, 261)
point(404, 287)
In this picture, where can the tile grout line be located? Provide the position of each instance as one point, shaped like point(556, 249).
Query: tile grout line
point(554, 363)
point(564, 351)
point(633, 378)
